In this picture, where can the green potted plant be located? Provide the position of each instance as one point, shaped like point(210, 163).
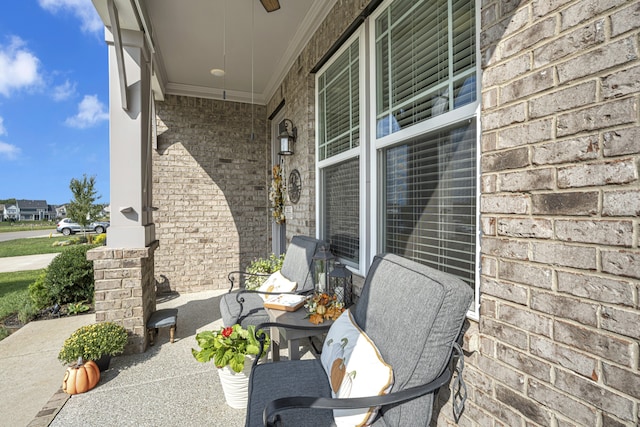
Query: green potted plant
point(97, 342)
point(229, 348)
point(262, 267)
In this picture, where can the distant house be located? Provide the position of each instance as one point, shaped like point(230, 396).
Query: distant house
point(61, 211)
point(32, 210)
point(10, 213)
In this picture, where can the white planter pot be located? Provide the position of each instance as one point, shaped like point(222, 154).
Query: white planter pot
point(235, 385)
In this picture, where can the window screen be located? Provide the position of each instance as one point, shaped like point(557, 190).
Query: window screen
point(342, 209)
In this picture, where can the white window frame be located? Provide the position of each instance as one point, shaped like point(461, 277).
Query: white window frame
point(370, 148)
point(358, 151)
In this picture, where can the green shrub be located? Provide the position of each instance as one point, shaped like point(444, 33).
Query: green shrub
point(77, 308)
point(70, 276)
point(39, 292)
point(4, 332)
point(262, 266)
point(100, 239)
point(27, 311)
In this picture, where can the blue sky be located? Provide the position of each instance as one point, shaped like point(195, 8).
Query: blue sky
point(54, 121)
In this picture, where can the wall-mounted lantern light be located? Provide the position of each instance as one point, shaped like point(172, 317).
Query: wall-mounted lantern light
point(288, 135)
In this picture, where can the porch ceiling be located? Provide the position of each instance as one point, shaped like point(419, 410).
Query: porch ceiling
point(191, 37)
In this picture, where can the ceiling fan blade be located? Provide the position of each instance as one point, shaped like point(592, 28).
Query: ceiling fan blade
point(270, 5)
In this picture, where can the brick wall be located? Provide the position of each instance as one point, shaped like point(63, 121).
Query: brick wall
point(557, 342)
point(125, 290)
point(210, 188)
point(298, 93)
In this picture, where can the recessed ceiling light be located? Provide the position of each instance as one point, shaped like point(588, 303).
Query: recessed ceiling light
point(217, 72)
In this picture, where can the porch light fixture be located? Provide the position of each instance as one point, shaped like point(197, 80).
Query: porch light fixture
point(288, 135)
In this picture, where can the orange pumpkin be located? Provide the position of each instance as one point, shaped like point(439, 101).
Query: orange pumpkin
point(81, 377)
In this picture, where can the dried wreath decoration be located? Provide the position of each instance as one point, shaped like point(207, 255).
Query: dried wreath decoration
point(276, 195)
point(322, 306)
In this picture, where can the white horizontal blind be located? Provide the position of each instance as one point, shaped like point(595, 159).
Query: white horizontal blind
point(430, 200)
point(341, 184)
point(338, 104)
point(425, 56)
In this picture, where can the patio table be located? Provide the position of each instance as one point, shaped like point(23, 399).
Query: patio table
point(291, 337)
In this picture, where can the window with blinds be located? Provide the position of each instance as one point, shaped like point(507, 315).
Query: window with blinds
point(338, 105)
point(430, 200)
point(341, 204)
point(421, 62)
point(424, 60)
point(338, 100)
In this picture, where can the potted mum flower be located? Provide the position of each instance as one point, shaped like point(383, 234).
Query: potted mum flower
point(230, 348)
point(97, 342)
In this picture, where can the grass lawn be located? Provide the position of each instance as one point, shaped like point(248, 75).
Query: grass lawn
point(13, 287)
point(32, 246)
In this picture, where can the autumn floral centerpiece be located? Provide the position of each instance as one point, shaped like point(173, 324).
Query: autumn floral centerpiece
point(229, 346)
point(323, 306)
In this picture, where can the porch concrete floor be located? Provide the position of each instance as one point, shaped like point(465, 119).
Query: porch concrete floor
point(165, 386)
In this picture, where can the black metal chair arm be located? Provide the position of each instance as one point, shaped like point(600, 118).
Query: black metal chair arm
point(261, 337)
point(272, 419)
point(240, 274)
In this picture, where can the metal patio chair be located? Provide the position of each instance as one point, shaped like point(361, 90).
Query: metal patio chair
point(414, 315)
point(246, 307)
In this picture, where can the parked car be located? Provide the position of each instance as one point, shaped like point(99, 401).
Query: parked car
point(68, 226)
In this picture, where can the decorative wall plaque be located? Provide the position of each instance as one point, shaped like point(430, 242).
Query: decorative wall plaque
point(294, 186)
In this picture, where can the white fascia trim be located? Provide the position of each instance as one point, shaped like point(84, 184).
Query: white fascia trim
point(210, 93)
point(317, 14)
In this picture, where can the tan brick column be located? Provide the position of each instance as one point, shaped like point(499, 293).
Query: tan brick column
point(125, 290)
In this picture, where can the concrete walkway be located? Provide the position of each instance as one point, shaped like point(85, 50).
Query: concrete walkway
point(30, 372)
point(26, 262)
point(165, 386)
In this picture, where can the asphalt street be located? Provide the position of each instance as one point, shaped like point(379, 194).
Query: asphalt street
point(13, 235)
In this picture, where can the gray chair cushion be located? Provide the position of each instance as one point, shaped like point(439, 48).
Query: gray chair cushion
point(418, 345)
point(306, 377)
point(253, 309)
point(297, 267)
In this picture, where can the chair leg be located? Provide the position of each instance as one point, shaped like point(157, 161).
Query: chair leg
point(172, 333)
point(152, 334)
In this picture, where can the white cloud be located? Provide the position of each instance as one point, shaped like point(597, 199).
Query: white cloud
point(82, 9)
point(3, 130)
point(90, 112)
point(64, 91)
point(9, 151)
point(18, 67)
